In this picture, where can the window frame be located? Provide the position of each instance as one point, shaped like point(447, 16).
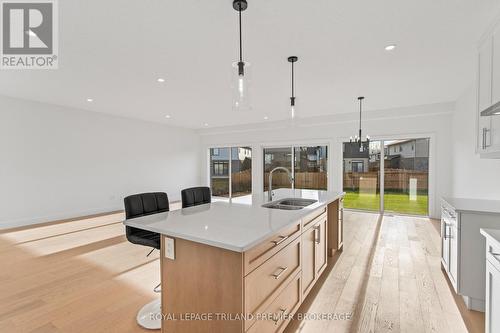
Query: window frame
point(292, 146)
point(230, 168)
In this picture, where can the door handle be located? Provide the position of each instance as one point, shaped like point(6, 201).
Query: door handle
point(278, 275)
point(485, 136)
point(317, 233)
point(446, 235)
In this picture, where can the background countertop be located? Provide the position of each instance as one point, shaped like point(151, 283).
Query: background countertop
point(473, 205)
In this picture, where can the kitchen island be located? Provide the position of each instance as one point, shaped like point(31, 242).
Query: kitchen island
point(241, 267)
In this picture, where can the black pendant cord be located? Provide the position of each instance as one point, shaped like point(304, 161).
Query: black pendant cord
point(241, 64)
point(241, 43)
point(292, 60)
point(293, 87)
point(360, 110)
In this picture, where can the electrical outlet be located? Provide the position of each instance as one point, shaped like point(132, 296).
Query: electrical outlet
point(170, 248)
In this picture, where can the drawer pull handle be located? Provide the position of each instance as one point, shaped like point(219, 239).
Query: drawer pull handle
point(282, 239)
point(279, 316)
point(278, 275)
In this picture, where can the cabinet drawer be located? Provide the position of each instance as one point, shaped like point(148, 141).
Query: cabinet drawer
point(493, 255)
point(265, 282)
point(260, 253)
point(312, 218)
point(277, 315)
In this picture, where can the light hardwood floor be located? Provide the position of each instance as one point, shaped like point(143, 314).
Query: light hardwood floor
point(83, 276)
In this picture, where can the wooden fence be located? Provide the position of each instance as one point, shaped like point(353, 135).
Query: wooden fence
point(395, 180)
point(303, 180)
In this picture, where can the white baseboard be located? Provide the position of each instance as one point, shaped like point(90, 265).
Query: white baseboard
point(56, 217)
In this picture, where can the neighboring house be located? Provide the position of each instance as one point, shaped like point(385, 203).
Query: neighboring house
point(219, 160)
point(354, 160)
point(311, 159)
point(408, 154)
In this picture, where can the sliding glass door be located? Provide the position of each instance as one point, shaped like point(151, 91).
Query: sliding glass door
point(362, 176)
point(406, 176)
point(387, 175)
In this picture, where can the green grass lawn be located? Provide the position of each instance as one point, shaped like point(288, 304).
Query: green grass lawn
point(395, 202)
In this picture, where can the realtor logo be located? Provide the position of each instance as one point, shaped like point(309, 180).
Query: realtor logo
point(29, 39)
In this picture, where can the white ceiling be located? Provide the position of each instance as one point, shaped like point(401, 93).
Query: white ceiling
point(113, 51)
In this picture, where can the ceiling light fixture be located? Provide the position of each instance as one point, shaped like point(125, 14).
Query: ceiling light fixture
point(90, 100)
point(161, 80)
point(293, 60)
point(266, 118)
point(390, 47)
point(357, 138)
point(205, 124)
point(241, 72)
point(167, 116)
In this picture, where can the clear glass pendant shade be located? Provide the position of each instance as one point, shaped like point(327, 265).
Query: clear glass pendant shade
point(240, 86)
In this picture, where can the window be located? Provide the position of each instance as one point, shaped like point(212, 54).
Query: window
point(357, 166)
point(220, 168)
point(230, 171)
point(308, 165)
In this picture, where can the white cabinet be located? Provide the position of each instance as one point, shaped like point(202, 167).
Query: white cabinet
point(492, 319)
point(462, 254)
point(492, 298)
point(449, 244)
point(454, 238)
point(485, 62)
point(488, 95)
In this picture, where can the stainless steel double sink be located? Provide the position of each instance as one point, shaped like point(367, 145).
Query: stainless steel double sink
point(289, 203)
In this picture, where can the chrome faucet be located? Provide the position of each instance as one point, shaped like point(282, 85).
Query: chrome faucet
point(270, 191)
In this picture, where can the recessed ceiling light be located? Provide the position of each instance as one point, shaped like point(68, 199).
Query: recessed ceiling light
point(90, 100)
point(167, 116)
point(390, 47)
point(266, 118)
point(161, 80)
point(205, 124)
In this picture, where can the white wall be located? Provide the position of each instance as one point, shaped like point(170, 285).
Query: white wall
point(473, 177)
point(432, 121)
point(57, 162)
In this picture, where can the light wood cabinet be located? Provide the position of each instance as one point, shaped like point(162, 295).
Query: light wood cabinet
point(279, 312)
point(321, 248)
point(308, 262)
point(265, 250)
point(271, 278)
point(336, 226)
point(314, 253)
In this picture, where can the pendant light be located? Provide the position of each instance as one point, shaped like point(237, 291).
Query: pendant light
point(357, 138)
point(293, 60)
point(241, 71)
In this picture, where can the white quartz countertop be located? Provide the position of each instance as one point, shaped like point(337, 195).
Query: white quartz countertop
point(238, 225)
point(492, 235)
point(473, 205)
